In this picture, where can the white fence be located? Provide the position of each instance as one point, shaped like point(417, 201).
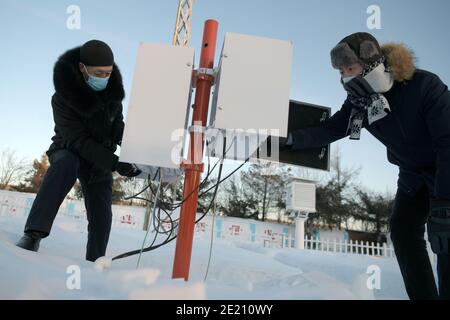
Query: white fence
point(336, 246)
point(232, 229)
point(344, 246)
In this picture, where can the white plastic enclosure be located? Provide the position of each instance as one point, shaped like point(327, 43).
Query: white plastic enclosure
point(159, 102)
point(253, 84)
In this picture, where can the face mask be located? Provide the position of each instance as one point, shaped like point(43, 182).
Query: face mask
point(96, 83)
point(347, 79)
point(376, 81)
point(380, 80)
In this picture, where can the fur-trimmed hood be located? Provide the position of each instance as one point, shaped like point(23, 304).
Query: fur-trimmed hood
point(71, 86)
point(401, 60)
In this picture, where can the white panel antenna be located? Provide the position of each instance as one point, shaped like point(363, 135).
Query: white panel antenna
point(159, 102)
point(253, 84)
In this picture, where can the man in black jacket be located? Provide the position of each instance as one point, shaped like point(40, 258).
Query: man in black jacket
point(87, 110)
point(408, 110)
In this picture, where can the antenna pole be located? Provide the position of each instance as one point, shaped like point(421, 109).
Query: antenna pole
point(193, 167)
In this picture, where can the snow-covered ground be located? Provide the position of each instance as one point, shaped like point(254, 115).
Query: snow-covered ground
point(237, 270)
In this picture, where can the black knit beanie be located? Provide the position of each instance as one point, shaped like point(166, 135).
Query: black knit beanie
point(358, 47)
point(96, 53)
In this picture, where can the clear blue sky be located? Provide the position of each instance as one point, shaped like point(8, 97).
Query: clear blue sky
point(34, 34)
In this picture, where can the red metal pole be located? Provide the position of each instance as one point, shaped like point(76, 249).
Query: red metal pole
point(194, 167)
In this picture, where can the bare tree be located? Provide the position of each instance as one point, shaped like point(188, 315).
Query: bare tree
point(35, 176)
point(12, 168)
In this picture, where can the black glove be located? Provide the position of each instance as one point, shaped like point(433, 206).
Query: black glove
point(359, 87)
point(127, 169)
point(438, 226)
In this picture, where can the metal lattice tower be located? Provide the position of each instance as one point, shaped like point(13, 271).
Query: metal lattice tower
point(183, 24)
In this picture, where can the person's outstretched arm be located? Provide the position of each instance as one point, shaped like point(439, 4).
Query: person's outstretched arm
point(330, 130)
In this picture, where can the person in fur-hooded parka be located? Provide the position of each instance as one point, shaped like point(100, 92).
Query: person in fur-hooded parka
point(87, 122)
point(408, 110)
point(87, 110)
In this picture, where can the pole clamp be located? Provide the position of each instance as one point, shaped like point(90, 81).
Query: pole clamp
point(197, 129)
point(208, 74)
point(185, 165)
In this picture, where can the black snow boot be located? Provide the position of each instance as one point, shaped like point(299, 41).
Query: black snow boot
point(30, 240)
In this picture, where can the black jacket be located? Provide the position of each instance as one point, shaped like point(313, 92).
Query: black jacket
point(87, 122)
point(416, 133)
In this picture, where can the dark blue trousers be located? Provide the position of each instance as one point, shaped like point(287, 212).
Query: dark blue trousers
point(407, 226)
point(65, 168)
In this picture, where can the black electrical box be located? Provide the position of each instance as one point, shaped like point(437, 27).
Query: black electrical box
point(304, 115)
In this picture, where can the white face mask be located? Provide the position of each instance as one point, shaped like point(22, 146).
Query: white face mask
point(379, 79)
point(347, 79)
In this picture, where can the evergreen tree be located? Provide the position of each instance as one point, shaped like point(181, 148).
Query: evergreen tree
point(336, 203)
point(238, 202)
point(375, 211)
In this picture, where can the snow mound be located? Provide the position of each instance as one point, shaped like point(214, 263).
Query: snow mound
point(237, 270)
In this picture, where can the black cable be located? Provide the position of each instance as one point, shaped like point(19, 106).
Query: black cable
point(216, 186)
point(177, 205)
point(172, 221)
point(206, 191)
point(168, 239)
point(162, 221)
point(233, 172)
point(149, 248)
point(149, 184)
point(203, 193)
